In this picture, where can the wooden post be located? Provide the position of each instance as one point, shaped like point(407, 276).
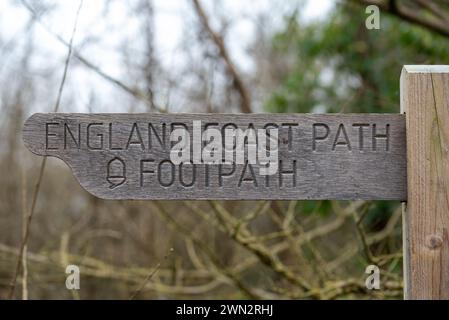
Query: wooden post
point(425, 101)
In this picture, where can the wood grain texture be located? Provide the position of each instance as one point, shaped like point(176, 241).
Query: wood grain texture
point(327, 156)
point(425, 100)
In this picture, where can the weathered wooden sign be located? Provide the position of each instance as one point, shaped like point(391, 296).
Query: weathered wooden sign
point(310, 156)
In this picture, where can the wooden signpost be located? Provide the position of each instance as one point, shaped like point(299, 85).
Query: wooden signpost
point(127, 156)
point(328, 156)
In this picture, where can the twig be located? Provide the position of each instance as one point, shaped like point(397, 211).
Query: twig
point(352, 250)
point(224, 271)
point(440, 27)
point(25, 250)
point(150, 275)
point(264, 255)
point(358, 222)
point(44, 161)
point(245, 101)
point(96, 268)
point(132, 91)
point(433, 8)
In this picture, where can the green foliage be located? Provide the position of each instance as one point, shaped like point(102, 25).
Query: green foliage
point(340, 66)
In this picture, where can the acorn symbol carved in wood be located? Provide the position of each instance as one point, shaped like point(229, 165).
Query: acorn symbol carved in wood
point(116, 172)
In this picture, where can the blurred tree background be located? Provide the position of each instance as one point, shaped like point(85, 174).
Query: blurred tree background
point(188, 249)
point(341, 66)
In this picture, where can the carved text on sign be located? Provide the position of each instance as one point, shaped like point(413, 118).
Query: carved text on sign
point(327, 156)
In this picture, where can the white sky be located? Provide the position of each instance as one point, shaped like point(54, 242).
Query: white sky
point(110, 33)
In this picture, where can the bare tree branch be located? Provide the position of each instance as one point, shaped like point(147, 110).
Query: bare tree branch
point(245, 102)
point(393, 7)
point(150, 275)
point(132, 91)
